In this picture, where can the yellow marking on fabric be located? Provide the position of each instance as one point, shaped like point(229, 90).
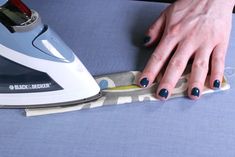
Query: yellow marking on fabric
point(224, 80)
point(124, 87)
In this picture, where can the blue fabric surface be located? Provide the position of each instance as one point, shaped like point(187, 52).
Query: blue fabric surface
point(107, 37)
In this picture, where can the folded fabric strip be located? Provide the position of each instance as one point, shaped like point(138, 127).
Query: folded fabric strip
point(121, 88)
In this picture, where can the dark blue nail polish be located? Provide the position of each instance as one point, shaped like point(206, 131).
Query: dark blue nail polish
point(146, 39)
point(216, 84)
point(144, 82)
point(163, 93)
point(195, 92)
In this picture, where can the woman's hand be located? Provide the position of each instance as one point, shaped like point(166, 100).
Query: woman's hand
point(193, 28)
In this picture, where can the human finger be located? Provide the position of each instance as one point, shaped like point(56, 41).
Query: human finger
point(217, 65)
point(155, 31)
point(156, 61)
point(199, 72)
point(174, 70)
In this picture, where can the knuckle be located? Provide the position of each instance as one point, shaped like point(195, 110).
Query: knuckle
point(169, 84)
point(218, 73)
point(149, 73)
point(157, 57)
point(174, 30)
point(177, 63)
point(218, 60)
point(200, 64)
point(196, 83)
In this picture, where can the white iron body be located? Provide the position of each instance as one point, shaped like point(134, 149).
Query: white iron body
point(47, 71)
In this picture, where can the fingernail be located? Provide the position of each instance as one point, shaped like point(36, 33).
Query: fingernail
point(163, 93)
point(216, 84)
point(146, 39)
point(144, 82)
point(195, 92)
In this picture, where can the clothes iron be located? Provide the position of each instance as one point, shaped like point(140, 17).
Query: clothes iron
point(37, 69)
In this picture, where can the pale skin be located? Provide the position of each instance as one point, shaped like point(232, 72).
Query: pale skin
point(198, 29)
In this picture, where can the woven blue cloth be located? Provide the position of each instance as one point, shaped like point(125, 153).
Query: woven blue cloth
point(107, 37)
